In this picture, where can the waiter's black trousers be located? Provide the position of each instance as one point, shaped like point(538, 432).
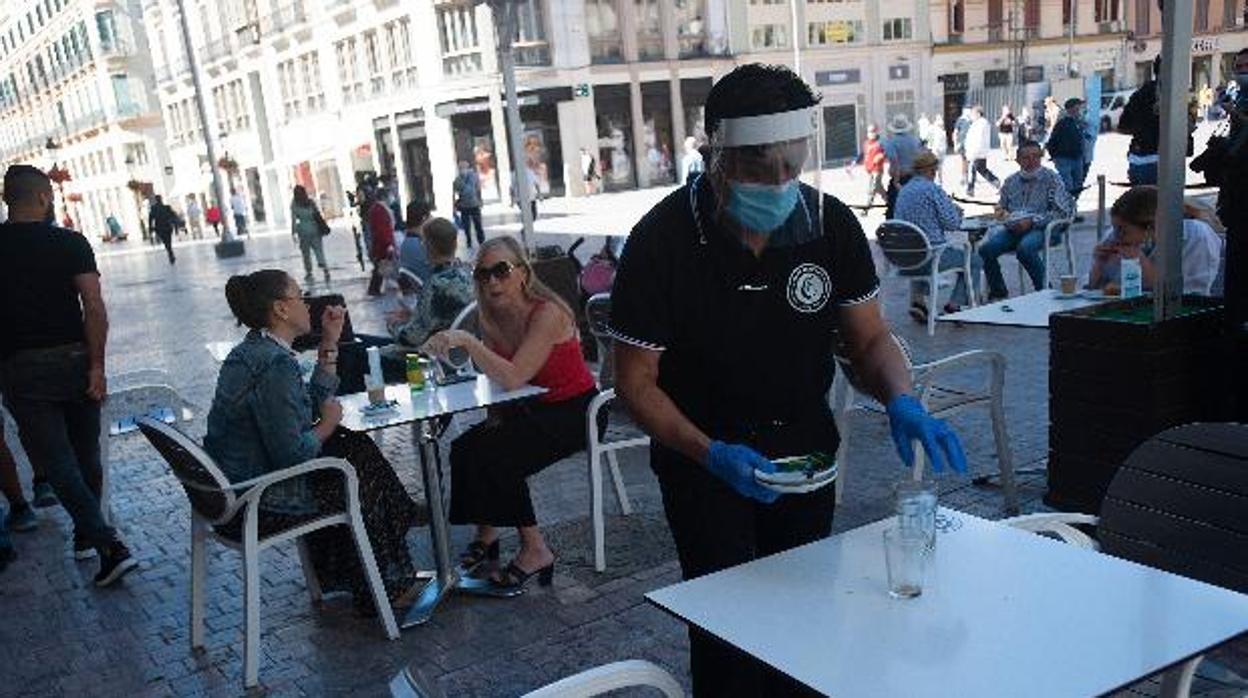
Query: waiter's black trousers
point(716, 528)
point(490, 462)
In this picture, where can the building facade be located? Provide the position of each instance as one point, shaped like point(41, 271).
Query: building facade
point(316, 92)
point(996, 52)
point(74, 92)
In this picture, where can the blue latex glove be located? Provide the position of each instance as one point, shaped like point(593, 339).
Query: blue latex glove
point(909, 422)
point(735, 464)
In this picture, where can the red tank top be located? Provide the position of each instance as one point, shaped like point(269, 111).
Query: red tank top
point(564, 375)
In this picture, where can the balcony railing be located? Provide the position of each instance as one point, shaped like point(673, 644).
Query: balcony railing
point(170, 72)
point(217, 49)
point(531, 53)
point(607, 48)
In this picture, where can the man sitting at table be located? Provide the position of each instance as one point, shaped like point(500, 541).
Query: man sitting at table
point(923, 203)
point(1030, 198)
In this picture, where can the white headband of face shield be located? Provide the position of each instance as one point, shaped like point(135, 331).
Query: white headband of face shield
point(767, 128)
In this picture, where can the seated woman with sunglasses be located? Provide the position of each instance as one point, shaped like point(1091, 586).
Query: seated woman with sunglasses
point(265, 418)
point(528, 336)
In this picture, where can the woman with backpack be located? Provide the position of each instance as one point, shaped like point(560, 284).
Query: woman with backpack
point(307, 227)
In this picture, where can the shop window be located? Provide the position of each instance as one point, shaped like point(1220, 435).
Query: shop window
point(837, 31)
point(457, 34)
point(767, 36)
point(898, 29)
point(602, 24)
point(649, 30)
point(615, 136)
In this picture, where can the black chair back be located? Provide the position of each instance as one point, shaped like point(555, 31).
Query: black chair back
point(206, 486)
point(904, 244)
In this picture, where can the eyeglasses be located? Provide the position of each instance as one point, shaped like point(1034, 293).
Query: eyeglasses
point(499, 271)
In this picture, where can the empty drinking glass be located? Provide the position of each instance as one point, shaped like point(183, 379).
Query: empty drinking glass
point(916, 509)
point(905, 557)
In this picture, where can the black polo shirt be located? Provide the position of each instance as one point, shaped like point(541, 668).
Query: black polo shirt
point(746, 341)
point(39, 305)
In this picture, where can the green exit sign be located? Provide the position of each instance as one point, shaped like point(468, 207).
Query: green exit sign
point(580, 90)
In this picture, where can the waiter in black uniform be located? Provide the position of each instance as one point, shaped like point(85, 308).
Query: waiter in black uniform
point(727, 305)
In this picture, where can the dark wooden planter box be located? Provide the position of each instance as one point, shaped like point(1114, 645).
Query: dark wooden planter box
point(1116, 379)
point(231, 248)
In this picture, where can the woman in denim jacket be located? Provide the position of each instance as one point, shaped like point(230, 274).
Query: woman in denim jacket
point(265, 418)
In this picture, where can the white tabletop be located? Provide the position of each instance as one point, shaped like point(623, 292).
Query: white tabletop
point(1029, 310)
point(1005, 613)
point(425, 404)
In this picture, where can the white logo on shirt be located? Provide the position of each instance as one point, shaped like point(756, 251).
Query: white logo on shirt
point(809, 288)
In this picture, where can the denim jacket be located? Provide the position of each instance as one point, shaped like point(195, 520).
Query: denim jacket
point(261, 418)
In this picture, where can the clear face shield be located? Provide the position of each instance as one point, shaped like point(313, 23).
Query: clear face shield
point(766, 173)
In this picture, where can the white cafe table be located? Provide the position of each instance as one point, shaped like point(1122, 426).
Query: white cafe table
point(1005, 613)
point(1028, 310)
point(427, 412)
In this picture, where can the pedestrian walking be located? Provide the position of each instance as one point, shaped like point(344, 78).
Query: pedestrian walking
point(1006, 126)
point(1067, 146)
point(873, 160)
point(115, 233)
point(213, 216)
point(901, 148)
point(978, 146)
point(1052, 112)
point(960, 128)
point(468, 202)
point(938, 142)
point(381, 225)
point(589, 172)
point(692, 164)
point(308, 228)
point(52, 359)
point(194, 217)
point(239, 209)
point(1024, 129)
point(162, 220)
point(1141, 119)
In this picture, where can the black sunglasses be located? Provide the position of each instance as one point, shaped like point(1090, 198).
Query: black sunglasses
point(499, 271)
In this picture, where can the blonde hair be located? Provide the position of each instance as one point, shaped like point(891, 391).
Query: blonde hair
point(533, 288)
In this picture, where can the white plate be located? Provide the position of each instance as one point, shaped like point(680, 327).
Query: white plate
point(806, 486)
point(1058, 295)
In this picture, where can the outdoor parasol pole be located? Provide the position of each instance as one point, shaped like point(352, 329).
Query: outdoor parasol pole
point(505, 29)
point(1176, 70)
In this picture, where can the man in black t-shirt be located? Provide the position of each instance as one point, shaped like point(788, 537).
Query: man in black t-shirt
point(725, 311)
point(163, 220)
point(52, 359)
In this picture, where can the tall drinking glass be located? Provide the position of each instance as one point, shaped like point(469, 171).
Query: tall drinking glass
point(905, 557)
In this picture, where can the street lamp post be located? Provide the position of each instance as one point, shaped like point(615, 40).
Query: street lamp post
point(505, 29)
point(230, 245)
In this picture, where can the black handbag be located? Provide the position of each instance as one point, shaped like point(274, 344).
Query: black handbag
point(321, 225)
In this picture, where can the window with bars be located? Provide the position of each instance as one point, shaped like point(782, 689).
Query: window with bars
point(898, 29)
point(769, 36)
point(457, 34)
point(837, 31)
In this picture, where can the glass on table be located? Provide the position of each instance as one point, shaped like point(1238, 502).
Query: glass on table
point(915, 505)
point(905, 560)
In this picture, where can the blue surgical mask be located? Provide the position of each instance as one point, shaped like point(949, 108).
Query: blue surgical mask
point(761, 207)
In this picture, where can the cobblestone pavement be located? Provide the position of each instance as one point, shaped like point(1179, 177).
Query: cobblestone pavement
point(59, 636)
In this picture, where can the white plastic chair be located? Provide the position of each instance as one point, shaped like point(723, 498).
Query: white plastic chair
point(611, 677)
point(906, 247)
point(598, 313)
point(1061, 229)
point(132, 395)
point(940, 399)
point(1176, 682)
point(215, 501)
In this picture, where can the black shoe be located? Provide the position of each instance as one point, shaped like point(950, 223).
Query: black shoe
point(918, 313)
point(512, 580)
point(114, 564)
point(44, 496)
point(83, 550)
point(475, 554)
